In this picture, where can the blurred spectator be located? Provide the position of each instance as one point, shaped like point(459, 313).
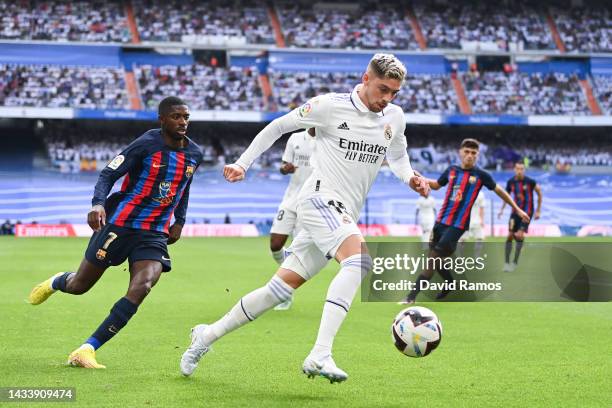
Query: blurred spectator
point(525, 94)
point(64, 20)
point(54, 86)
point(202, 86)
point(183, 20)
point(7, 228)
point(363, 25)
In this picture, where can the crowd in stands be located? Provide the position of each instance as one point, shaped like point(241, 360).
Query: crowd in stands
point(503, 25)
point(585, 29)
point(364, 25)
point(603, 91)
point(56, 86)
point(420, 93)
point(525, 94)
point(183, 20)
point(64, 20)
point(203, 86)
point(452, 24)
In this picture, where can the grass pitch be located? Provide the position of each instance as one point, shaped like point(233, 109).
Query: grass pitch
point(492, 354)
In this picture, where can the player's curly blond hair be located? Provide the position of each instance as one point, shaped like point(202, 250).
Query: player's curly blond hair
point(387, 66)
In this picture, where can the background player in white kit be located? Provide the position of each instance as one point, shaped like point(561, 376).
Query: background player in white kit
point(476, 232)
point(296, 161)
point(426, 216)
point(354, 133)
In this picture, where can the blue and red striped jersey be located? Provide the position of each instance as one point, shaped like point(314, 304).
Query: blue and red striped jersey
point(463, 188)
point(156, 183)
point(522, 193)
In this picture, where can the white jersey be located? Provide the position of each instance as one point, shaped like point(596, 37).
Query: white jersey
point(475, 214)
point(350, 146)
point(426, 208)
point(298, 150)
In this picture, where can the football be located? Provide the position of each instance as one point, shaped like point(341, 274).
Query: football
point(416, 331)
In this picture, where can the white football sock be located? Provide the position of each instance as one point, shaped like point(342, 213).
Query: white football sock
point(279, 256)
point(339, 298)
point(250, 307)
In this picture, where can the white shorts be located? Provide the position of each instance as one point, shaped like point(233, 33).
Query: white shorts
point(473, 234)
point(323, 229)
point(285, 222)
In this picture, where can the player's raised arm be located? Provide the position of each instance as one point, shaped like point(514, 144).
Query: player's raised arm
point(119, 166)
point(314, 113)
point(503, 194)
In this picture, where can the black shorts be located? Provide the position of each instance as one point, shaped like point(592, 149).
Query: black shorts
point(444, 239)
point(516, 223)
point(112, 245)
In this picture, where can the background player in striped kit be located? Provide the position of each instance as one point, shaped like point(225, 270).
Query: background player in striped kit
point(296, 161)
point(464, 185)
point(521, 188)
point(158, 169)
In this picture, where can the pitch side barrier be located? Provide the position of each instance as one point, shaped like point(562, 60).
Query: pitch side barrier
point(256, 117)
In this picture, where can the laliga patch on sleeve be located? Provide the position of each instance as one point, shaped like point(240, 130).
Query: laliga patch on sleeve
point(116, 162)
point(304, 110)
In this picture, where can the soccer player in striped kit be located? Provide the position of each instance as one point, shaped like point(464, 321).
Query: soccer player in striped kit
point(133, 223)
point(464, 184)
point(521, 188)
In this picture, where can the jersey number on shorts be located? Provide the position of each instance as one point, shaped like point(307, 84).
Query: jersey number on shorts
point(338, 206)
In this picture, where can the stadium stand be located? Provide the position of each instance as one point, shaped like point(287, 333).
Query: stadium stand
point(524, 94)
point(364, 25)
point(603, 90)
point(182, 20)
point(421, 93)
point(585, 28)
point(507, 26)
point(204, 87)
point(60, 86)
point(64, 20)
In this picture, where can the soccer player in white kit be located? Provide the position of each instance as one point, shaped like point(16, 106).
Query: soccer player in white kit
point(426, 215)
point(296, 161)
point(477, 220)
point(354, 133)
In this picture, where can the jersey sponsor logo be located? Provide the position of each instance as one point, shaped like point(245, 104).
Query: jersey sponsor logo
point(457, 193)
point(166, 196)
point(304, 110)
point(344, 126)
point(189, 171)
point(362, 151)
point(116, 162)
point(388, 132)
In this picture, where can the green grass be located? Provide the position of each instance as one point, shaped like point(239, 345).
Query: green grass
point(492, 354)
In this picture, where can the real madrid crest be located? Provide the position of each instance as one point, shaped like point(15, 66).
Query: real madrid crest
point(388, 132)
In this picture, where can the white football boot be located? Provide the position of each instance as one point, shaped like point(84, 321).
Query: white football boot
point(191, 357)
point(325, 367)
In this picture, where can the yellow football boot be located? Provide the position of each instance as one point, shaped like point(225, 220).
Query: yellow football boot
point(42, 291)
point(84, 356)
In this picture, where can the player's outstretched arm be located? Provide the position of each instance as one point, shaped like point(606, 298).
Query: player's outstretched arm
point(313, 113)
point(503, 194)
